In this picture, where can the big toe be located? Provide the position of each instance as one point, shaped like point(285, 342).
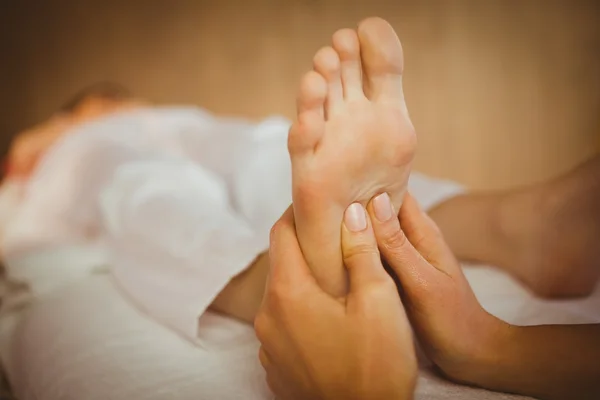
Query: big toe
point(382, 60)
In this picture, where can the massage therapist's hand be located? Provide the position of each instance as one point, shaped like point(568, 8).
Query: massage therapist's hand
point(457, 334)
point(468, 344)
point(317, 347)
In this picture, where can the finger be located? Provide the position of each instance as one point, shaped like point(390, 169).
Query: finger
point(395, 247)
point(287, 264)
point(424, 235)
point(359, 249)
point(264, 328)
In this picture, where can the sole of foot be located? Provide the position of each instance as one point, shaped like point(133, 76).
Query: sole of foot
point(353, 139)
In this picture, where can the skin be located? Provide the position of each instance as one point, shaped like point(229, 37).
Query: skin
point(352, 139)
point(30, 145)
point(517, 230)
point(503, 233)
point(461, 338)
point(467, 344)
point(315, 346)
point(545, 235)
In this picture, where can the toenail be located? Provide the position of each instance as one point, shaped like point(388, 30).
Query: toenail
point(355, 218)
point(383, 207)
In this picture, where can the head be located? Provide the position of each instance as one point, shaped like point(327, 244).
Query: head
point(97, 100)
point(93, 102)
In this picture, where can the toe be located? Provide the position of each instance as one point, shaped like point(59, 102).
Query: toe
point(382, 60)
point(345, 42)
point(307, 131)
point(312, 94)
point(327, 63)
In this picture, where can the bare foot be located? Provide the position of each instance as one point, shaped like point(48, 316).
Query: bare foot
point(352, 140)
point(551, 233)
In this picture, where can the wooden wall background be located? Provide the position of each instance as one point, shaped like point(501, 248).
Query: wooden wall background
point(502, 92)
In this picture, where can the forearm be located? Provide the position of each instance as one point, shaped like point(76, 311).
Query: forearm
point(549, 362)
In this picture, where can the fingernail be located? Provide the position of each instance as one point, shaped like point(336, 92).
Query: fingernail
point(355, 217)
point(383, 207)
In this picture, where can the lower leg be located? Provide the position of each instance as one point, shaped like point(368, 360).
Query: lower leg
point(546, 234)
point(470, 224)
point(242, 296)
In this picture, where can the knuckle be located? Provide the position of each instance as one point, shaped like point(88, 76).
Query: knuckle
point(263, 358)
point(261, 324)
point(280, 298)
point(394, 240)
point(278, 292)
point(360, 250)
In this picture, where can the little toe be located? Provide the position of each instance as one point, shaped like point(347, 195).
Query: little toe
point(345, 42)
point(327, 63)
point(306, 133)
point(382, 60)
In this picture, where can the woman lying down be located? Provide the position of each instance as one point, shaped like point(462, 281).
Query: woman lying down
point(177, 206)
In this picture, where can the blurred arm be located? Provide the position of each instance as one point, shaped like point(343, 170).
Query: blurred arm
point(547, 361)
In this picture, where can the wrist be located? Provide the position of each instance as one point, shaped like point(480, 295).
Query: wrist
point(478, 365)
point(494, 356)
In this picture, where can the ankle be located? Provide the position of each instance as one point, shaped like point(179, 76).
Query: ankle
point(533, 223)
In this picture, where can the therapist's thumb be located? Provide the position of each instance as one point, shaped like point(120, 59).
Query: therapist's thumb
point(411, 244)
point(360, 253)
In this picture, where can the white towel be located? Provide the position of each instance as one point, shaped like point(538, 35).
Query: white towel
point(87, 342)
